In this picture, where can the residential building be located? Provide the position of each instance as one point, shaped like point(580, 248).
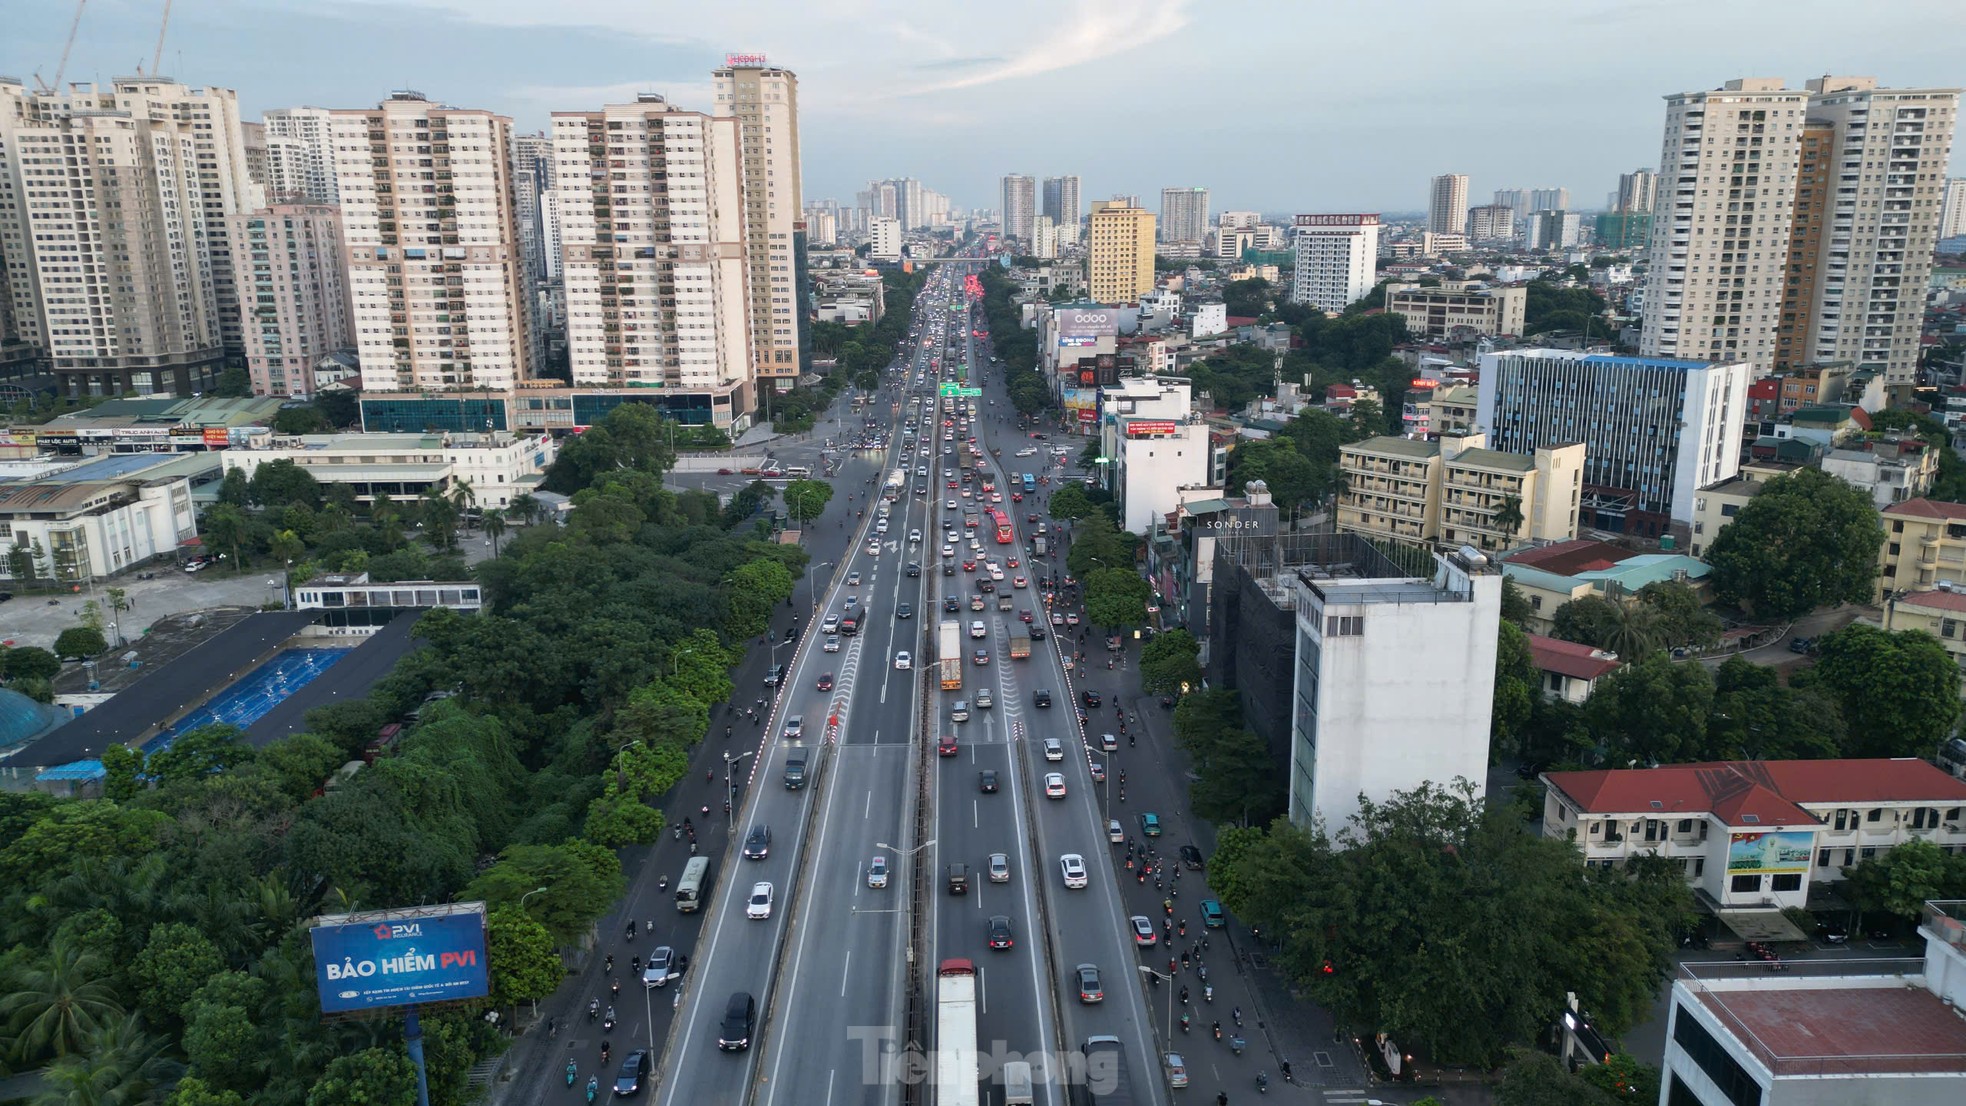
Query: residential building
point(1548, 199)
point(300, 155)
point(1952, 214)
point(1020, 206)
point(532, 178)
point(252, 142)
point(1336, 257)
point(1939, 611)
point(1183, 214)
point(1552, 230)
point(552, 255)
point(1440, 245)
point(1120, 252)
point(1062, 204)
point(1638, 192)
point(113, 204)
point(94, 520)
point(1924, 547)
point(1656, 430)
point(656, 270)
point(884, 238)
point(1552, 575)
point(289, 264)
point(1450, 491)
point(1623, 231)
point(1567, 670)
point(1890, 470)
point(1714, 286)
point(1454, 409)
point(1816, 181)
point(1754, 834)
point(1515, 199)
point(1491, 223)
point(436, 277)
point(1447, 203)
point(1206, 319)
point(1044, 238)
point(1459, 309)
point(1159, 447)
point(1717, 504)
point(1853, 1030)
point(764, 99)
point(1395, 677)
point(495, 467)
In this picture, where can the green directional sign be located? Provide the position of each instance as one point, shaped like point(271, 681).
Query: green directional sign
point(960, 392)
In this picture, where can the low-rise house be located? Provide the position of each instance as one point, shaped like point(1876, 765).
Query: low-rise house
point(1550, 576)
point(1569, 670)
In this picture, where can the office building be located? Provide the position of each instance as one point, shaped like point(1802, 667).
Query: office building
point(1336, 257)
point(1158, 445)
point(1062, 204)
point(654, 259)
point(497, 467)
point(300, 156)
point(113, 204)
point(1248, 220)
point(1655, 430)
point(1952, 214)
point(1638, 191)
point(291, 271)
point(1451, 492)
point(436, 276)
point(1447, 204)
point(1020, 206)
point(884, 238)
point(1491, 223)
point(1183, 214)
point(93, 520)
point(1395, 677)
point(1459, 308)
point(764, 100)
point(1120, 252)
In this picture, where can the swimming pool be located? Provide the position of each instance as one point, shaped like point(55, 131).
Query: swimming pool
point(262, 689)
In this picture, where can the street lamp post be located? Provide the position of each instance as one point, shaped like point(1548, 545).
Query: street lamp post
point(730, 790)
point(1169, 980)
point(812, 595)
point(522, 909)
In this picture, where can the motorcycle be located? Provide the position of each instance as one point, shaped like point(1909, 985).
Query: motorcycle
point(1237, 1015)
point(604, 1052)
point(593, 1088)
point(607, 966)
point(1186, 1023)
point(1208, 993)
point(1262, 1083)
point(1218, 1031)
point(662, 883)
point(1237, 1044)
point(607, 1023)
point(573, 1073)
point(593, 1010)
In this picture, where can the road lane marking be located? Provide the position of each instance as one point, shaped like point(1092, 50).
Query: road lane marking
point(846, 972)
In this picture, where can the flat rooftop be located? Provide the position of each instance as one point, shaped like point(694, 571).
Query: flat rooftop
point(1842, 1025)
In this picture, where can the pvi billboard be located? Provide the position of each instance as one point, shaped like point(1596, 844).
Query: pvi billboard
point(386, 958)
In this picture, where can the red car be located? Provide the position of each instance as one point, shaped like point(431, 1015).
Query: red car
point(1022, 616)
point(969, 566)
point(1017, 497)
point(826, 681)
point(945, 745)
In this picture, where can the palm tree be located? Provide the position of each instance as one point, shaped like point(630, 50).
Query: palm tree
point(54, 1004)
point(1637, 631)
point(287, 548)
point(526, 508)
point(225, 525)
point(494, 527)
point(122, 1066)
point(1507, 516)
point(464, 497)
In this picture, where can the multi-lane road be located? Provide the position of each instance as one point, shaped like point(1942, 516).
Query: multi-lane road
point(829, 968)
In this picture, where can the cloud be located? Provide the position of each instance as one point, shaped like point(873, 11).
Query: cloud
point(1095, 30)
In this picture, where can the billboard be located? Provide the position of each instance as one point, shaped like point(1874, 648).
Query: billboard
point(1077, 341)
point(1781, 851)
point(1089, 322)
point(1241, 522)
point(380, 959)
point(1150, 428)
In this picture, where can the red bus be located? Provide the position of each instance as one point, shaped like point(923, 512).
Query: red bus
point(1002, 523)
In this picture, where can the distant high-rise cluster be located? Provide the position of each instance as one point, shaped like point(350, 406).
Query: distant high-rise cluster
point(1795, 226)
point(1952, 215)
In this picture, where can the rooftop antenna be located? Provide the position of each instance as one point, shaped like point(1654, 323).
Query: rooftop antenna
point(62, 67)
point(157, 57)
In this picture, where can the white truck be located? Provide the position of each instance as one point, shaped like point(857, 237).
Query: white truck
point(949, 655)
point(955, 1034)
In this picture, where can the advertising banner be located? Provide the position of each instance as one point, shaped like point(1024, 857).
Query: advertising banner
point(381, 959)
point(1077, 341)
point(1778, 852)
point(217, 435)
point(1150, 428)
point(1089, 322)
point(1257, 522)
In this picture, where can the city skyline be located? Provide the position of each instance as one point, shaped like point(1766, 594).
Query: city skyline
point(955, 110)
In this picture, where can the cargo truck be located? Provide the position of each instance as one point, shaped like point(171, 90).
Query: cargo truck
point(949, 655)
point(1020, 643)
point(956, 1069)
point(1106, 1079)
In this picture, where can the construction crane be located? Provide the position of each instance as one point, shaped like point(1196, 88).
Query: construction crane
point(73, 26)
point(157, 58)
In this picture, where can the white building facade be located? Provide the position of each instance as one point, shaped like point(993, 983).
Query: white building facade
point(1336, 257)
point(497, 467)
point(1447, 203)
point(884, 238)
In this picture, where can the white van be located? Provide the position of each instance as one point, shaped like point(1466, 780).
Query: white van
point(797, 472)
point(1017, 1083)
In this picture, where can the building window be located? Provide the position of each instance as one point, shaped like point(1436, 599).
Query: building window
point(1729, 1077)
point(1788, 881)
point(1350, 625)
point(1744, 885)
point(1822, 858)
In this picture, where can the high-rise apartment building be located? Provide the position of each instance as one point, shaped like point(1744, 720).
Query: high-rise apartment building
point(1551, 230)
point(1336, 259)
point(765, 102)
point(1062, 205)
point(1515, 199)
point(1638, 191)
point(1655, 431)
point(884, 238)
point(1814, 181)
point(291, 275)
point(1721, 228)
point(652, 240)
point(1952, 216)
point(1020, 206)
point(1549, 199)
point(113, 204)
point(532, 176)
point(1044, 238)
point(1120, 252)
point(300, 156)
point(1447, 203)
point(434, 265)
point(549, 233)
point(1491, 222)
point(1183, 214)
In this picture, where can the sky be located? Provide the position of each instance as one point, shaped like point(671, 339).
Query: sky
point(1278, 106)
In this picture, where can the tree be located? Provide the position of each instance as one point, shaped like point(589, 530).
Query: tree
point(1168, 665)
point(1507, 515)
point(525, 968)
point(1902, 879)
point(753, 590)
point(1069, 503)
point(1899, 692)
point(29, 662)
point(494, 527)
point(281, 483)
point(1756, 718)
point(174, 963)
point(80, 641)
point(121, 1064)
point(1116, 598)
point(1680, 619)
point(225, 527)
point(1515, 606)
point(1518, 684)
point(56, 1002)
point(440, 517)
point(1634, 630)
point(806, 500)
point(1292, 479)
point(1247, 298)
point(1097, 544)
point(373, 1075)
point(1238, 783)
point(1535, 1078)
point(1652, 711)
point(300, 420)
point(233, 383)
point(1806, 540)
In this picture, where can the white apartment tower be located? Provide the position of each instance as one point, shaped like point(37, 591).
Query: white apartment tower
point(1727, 178)
point(1183, 214)
point(1020, 206)
point(434, 265)
point(113, 204)
point(1638, 192)
point(300, 156)
point(292, 278)
point(884, 238)
point(1044, 238)
point(1447, 203)
point(651, 223)
point(1952, 217)
point(764, 99)
point(1336, 257)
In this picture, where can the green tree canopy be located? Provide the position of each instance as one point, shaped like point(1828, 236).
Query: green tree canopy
point(1899, 692)
point(1116, 598)
point(1168, 663)
point(80, 641)
point(1652, 711)
point(1807, 540)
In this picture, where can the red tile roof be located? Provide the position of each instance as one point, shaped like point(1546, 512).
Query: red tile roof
point(1568, 558)
point(1241, 320)
point(1770, 790)
point(1568, 658)
point(1927, 508)
point(1937, 600)
point(1861, 417)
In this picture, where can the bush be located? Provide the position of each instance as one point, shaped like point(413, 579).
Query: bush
point(80, 641)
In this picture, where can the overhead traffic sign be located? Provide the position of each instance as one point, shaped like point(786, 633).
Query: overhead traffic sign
point(960, 392)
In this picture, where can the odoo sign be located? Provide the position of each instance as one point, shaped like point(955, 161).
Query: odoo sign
point(1088, 322)
point(385, 958)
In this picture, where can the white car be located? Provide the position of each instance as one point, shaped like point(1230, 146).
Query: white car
point(1073, 865)
point(1054, 749)
point(1054, 785)
point(1028, 451)
point(948, 551)
point(948, 504)
point(831, 625)
point(877, 872)
point(758, 907)
point(914, 537)
point(832, 644)
point(903, 661)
